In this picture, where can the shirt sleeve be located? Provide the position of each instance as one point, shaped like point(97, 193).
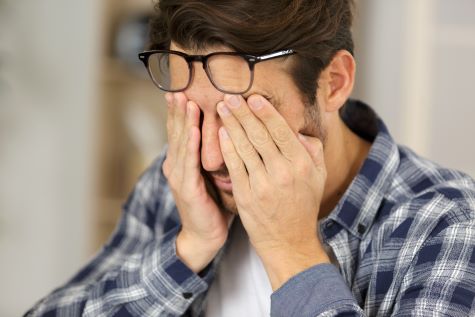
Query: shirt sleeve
point(138, 272)
point(439, 282)
point(317, 291)
point(441, 279)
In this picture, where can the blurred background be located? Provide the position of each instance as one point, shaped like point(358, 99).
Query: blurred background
point(80, 121)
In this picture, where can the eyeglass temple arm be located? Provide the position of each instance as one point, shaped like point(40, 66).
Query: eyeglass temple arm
point(275, 55)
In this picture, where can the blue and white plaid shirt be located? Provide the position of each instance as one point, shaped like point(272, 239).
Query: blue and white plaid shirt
point(403, 235)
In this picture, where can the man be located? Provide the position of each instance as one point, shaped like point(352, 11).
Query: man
point(276, 194)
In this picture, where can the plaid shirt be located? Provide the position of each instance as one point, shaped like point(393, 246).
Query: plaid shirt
point(403, 236)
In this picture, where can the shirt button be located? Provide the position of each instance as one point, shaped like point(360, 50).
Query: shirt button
point(361, 229)
point(187, 295)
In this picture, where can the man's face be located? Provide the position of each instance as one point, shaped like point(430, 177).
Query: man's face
point(272, 81)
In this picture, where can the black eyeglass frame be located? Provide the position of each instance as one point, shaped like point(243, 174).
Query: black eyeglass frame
point(252, 60)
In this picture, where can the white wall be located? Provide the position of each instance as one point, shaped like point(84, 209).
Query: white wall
point(452, 128)
point(48, 57)
point(416, 65)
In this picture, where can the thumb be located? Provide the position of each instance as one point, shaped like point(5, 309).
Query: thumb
point(314, 147)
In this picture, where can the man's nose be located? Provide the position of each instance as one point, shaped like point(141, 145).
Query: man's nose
point(206, 96)
point(211, 158)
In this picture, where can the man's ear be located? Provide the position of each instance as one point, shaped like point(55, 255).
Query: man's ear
point(336, 81)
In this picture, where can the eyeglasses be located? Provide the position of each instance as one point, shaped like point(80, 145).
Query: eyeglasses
point(229, 72)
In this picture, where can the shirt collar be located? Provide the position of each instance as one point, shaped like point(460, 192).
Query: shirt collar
point(357, 208)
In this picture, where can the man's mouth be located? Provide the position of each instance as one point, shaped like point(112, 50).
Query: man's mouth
point(223, 183)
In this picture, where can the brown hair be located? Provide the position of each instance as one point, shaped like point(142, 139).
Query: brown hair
point(315, 29)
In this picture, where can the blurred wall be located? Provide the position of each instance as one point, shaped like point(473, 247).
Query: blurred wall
point(48, 58)
point(416, 61)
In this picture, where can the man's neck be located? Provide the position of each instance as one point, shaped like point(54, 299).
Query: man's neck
point(345, 153)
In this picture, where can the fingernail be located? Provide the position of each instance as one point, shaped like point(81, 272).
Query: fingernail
point(224, 133)
point(223, 110)
point(233, 100)
point(256, 103)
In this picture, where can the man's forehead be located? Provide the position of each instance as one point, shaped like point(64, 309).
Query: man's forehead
point(208, 49)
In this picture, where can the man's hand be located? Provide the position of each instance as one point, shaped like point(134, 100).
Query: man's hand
point(278, 182)
point(204, 226)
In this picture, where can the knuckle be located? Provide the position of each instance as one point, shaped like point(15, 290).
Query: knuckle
point(183, 144)
point(253, 163)
point(260, 138)
point(286, 152)
point(281, 135)
point(284, 177)
point(244, 114)
point(173, 136)
point(245, 148)
point(263, 191)
point(169, 125)
point(186, 137)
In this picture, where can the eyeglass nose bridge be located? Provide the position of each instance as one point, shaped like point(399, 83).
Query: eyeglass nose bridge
point(190, 59)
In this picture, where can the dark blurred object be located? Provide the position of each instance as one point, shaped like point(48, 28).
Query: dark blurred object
point(131, 37)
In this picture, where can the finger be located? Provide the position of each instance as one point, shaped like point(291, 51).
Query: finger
point(178, 139)
point(314, 148)
point(278, 128)
point(238, 137)
point(255, 130)
point(192, 162)
point(169, 100)
point(170, 115)
point(233, 161)
point(179, 112)
point(192, 117)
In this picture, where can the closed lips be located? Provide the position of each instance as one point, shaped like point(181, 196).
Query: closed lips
point(224, 180)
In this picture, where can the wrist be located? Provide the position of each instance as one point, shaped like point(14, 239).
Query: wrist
point(194, 254)
point(284, 263)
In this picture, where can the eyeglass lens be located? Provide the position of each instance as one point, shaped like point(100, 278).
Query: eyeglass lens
point(159, 67)
point(229, 73)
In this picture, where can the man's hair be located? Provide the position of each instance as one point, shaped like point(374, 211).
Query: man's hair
point(314, 29)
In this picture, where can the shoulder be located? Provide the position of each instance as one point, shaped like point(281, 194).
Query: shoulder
point(424, 200)
point(423, 189)
point(420, 177)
